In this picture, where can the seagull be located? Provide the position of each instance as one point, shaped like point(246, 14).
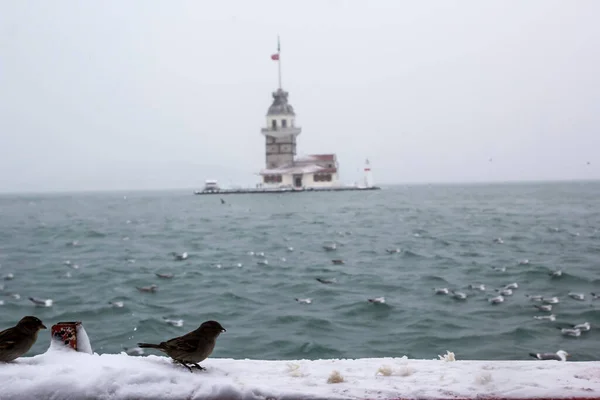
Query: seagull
point(534, 297)
point(577, 296)
point(570, 331)
point(164, 276)
point(496, 300)
point(41, 302)
point(441, 291)
point(380, 300)
point(595, 296)
point(505, 292)
point(499, 269)
point(338, 262)
point(180, 257)
point(550, 317)
point(555, 274)
point(513, 285)
point(174, 322)
point(550, 300)
point(304, 301)
point(480, 286)
point(149, 289)
point(330, 247)
point(544, 307)
point(327, 281)
point(117, 304)
point(585, 327)
point(459, 295)
point(560, 355)
point(498, 240)
point(392, 251)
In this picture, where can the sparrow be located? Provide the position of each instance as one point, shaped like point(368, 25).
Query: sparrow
point(16, 341)
point(192, 347)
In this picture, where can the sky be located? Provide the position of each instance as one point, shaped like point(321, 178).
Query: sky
point(146, 94)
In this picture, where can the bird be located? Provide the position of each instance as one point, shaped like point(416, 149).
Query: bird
point(338, 262)
point(326, 281)
point(180, 257)
point(544, 307)
point(560, 355)
point(164, 276)
point(555, 274)
point(330, 246)
point(222, 201)
point(459, 295)
point(191, 348)
point(16, 341)
point(570, 331)
point(583, 327)
point(148, 289)
point(380, 300)
point(479, 286)
point(577, 296)
point(534, 297)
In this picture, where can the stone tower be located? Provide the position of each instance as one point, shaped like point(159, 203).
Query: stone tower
point(280, 132)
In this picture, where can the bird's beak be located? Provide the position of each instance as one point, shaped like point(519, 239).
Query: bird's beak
point(224, 330)
point(43, 326)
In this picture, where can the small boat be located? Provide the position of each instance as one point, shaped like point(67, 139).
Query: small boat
point(210, 186)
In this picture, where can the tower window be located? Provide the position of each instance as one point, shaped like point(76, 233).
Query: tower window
point(274, 124)
point(284, 123)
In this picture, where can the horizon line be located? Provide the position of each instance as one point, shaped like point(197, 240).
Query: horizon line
point(383, 184)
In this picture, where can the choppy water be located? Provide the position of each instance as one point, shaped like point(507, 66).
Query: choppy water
point(445, 233)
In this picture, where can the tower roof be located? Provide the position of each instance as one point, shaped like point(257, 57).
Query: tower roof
point(280, 104)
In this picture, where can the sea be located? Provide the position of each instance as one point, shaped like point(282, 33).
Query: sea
point(251, 257)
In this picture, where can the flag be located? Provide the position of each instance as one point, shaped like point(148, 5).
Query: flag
point(275, 57)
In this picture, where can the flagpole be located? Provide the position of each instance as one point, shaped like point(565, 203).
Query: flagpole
point(279, 60)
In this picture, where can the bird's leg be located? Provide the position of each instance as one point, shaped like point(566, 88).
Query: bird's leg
point(184, 364)
point(199, 367)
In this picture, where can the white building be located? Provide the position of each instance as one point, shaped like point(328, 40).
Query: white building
point(283, 168)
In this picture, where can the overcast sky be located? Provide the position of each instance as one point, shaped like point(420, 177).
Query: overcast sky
point(165, 94)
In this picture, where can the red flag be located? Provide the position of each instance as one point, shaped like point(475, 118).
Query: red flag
point(275, 57)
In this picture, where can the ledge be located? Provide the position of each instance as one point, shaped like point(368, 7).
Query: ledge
point(64, 373)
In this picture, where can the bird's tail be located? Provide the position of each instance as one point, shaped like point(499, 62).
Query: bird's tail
point(531, 354)
point(150, 346)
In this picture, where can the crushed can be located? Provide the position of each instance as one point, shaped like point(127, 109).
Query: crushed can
point(72, 335)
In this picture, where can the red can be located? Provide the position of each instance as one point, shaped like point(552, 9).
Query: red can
point(66, 333)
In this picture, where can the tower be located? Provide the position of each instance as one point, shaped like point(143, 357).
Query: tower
point(368, 174)
point(281, 130)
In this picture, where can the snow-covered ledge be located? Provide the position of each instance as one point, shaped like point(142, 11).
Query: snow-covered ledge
point(65, 374)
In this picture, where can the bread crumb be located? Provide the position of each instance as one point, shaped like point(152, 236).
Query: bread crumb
point(335, 377)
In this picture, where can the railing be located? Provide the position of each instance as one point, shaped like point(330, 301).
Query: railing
point(281, 131)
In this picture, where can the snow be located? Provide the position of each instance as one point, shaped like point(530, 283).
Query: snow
point(67, 374)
